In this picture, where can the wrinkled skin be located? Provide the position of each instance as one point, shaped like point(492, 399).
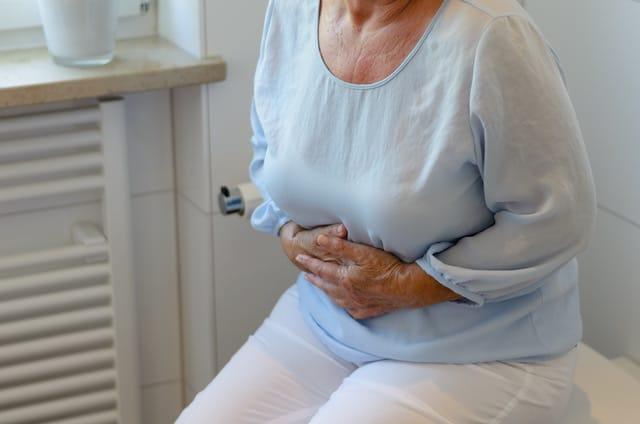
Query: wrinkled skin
point(364, 280)
point(296, 240)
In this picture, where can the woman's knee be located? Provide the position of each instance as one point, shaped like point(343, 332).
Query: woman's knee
point(257, 387)
point(230, 392)
point(506, 392)
point(354, 402)
point(280, 370)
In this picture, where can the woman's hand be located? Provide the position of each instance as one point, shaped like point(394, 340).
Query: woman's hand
point(368, 282)
point(296, 240)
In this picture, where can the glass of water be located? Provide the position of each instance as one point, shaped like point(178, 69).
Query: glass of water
point(80, 33)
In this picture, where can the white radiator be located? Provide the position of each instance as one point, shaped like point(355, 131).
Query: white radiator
point(68, 345)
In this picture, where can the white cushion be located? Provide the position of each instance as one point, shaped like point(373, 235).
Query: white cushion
point(602, 392)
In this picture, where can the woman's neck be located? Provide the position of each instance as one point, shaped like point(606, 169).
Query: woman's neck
point(374, 13)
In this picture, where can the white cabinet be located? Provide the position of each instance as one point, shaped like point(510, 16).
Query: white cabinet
point(155, 278)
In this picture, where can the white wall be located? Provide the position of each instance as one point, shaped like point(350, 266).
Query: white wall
point(154, 239)
point(195, 236)
point(597, 42)
point(181, 21)
point(151, 163)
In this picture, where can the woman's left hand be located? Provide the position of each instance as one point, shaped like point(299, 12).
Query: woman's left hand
point(367, 281)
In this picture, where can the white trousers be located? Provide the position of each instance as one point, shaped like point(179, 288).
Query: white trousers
point(283, 374)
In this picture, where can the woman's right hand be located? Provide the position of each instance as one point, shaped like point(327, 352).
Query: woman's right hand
point(296, 239)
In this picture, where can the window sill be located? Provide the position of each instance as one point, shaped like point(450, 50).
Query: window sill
point(29, 77)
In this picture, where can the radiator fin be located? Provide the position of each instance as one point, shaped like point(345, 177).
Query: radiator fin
point(67, 329)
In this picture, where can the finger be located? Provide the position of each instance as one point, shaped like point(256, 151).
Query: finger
point(305, 244)
point(338, 230)
point(329, 271)
point(289, 230)
point(342, 248)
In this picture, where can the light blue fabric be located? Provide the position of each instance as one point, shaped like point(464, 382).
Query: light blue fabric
point(467, 160)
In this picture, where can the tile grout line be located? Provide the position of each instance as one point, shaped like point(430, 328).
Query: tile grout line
point(208, 135)
point(160, 383)
point(193, 203)
point(177, 232)
point(619, 216)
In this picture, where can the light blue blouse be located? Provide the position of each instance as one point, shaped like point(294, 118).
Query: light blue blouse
point(467, 160)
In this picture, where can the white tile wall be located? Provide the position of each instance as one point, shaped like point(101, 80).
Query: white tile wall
point(603, 69)
point(193, 168)
point(609, 287)
point(190, 394)
point(233, 30)
point(161, 403)
point(251, 272)
point(150, 148)
point(149, 135)
point(156, 278)
point(181, 22)
point(196, 285)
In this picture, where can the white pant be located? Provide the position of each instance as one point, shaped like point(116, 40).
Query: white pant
point(283, 374)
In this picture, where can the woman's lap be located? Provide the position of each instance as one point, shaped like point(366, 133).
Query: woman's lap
point(283, 374)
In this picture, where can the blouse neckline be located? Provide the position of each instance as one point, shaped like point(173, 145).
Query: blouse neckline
point(394, 73)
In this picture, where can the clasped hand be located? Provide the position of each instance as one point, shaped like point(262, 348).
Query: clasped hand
point(364, 280)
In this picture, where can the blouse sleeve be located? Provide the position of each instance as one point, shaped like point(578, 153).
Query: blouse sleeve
point(267, 217)
point(535, 171)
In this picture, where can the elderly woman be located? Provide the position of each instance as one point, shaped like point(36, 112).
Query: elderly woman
point(421, 162)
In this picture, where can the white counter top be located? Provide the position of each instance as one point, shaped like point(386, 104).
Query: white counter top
point(29, 77)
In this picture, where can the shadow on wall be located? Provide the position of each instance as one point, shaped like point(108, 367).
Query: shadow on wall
point(580, 408)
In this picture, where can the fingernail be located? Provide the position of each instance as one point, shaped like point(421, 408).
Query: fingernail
point(322, 240)
point(301, 257)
